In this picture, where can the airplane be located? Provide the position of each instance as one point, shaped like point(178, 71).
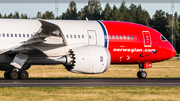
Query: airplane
point(87, 47)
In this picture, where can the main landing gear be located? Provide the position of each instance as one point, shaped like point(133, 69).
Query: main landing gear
point(16, 74)
point(141, 74)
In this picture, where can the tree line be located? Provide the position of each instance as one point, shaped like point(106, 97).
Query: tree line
point(161, 21)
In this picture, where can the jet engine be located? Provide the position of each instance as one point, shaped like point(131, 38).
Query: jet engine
point(88, 60)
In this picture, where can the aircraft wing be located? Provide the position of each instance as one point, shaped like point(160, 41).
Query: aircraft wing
point(49, 35)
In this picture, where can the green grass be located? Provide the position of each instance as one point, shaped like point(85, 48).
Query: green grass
point(90, 94)
point(165, 69)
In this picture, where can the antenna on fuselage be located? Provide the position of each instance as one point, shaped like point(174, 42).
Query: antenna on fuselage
point(87, 19)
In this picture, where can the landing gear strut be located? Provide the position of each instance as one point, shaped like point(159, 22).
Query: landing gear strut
point(141, 74)
point(16, 74)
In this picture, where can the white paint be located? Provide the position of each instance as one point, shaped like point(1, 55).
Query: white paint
point(19, 60)
point(88, 59)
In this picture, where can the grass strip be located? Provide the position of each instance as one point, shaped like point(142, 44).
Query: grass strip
point(90, 93)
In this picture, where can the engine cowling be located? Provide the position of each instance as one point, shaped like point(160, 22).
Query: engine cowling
point(88, 59)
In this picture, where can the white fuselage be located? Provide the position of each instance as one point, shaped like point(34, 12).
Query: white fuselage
point(13, 33)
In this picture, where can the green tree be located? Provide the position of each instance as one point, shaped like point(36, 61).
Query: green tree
point(132, 13)
point(16, 15)
point(10, 15)
point(176, 33)
point(106, 13)
point(48, 15)
point(24, 16)
point(123, 12)
point(160, 23)
point(177, 37)
point(5, 16)
point(92, 11)
point(71, 12)
point(80, 15)
point(39, 15)
point(114, 14)
point(0, 15)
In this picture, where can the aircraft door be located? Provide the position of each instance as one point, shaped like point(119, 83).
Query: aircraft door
point(147, 39)
point(92, 37)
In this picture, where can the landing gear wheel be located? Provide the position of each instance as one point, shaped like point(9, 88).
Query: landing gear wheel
point(23, 74)
point(139, 74)
point(142, 74)
point(14, 75)
point(7, 75)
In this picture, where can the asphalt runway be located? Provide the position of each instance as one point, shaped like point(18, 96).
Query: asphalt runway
point(89, 82)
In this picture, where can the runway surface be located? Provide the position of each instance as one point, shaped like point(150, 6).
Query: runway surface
point(89, 82)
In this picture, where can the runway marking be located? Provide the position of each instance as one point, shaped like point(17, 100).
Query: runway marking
point(93, 83)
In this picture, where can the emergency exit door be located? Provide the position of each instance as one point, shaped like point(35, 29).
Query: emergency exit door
point(147, 39)
point(92, 37)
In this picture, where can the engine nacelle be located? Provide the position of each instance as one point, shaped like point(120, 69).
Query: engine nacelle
point(88, 59)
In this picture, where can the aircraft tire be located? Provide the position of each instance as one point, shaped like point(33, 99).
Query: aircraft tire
point(7, 75)
point(143, 74)
point(14, 75)
point(23, 74)
point(139, 74)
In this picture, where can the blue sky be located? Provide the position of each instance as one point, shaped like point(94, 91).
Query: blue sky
point(32, 8)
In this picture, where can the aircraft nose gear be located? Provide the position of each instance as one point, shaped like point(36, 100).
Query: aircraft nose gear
point(141, 74)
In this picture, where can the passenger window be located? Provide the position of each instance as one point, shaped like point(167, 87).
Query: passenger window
point(3, 35)
point(7, 35)
point(120, 36)
point(0, 35)
point(74, 36)
point(19, 35)
point(128, 37)
point(15, 35)
point(78, 36)
point(28, 35)
point(113, 36)
point(31, 35)
point(132, 37)
point(23, 35)
point(67, 36)
point(109, 37)
point(117, 37)
point(89, 36)
point(124, 37)
point(83, 36)
point(11, 35)
point(70, 36)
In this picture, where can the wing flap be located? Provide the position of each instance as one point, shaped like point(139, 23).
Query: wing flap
point(49, 35)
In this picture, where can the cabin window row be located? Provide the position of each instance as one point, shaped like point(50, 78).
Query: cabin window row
point(16, 35)
point(121, 37)
point(75, 36)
